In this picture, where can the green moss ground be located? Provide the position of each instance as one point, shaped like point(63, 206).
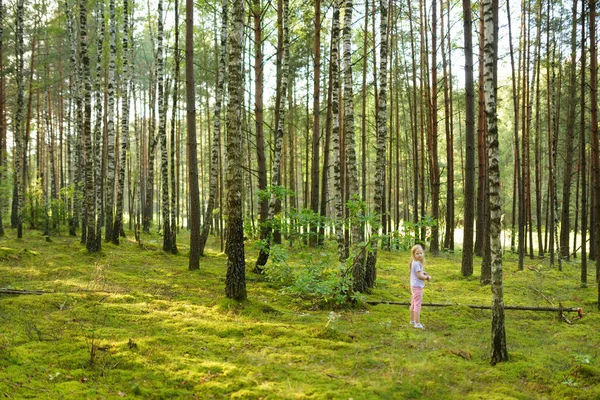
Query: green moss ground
point(132, 322)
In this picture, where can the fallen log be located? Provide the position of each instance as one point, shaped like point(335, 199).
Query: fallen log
point(559, 309)
point(19, 291)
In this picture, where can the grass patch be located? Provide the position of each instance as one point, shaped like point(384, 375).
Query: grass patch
point(136, 322)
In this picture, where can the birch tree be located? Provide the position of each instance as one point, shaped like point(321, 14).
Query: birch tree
point(335, 135)
point(490, 15)
point(173, 197)
point(358, 267)
point(266, 235)
point(118, 225)
point(110, 128)
point(235, 280)
point(162, 132)
point(371, 272)
point(216, 144)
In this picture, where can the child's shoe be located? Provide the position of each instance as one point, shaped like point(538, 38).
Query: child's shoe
point(419, 326)
point(412, 322)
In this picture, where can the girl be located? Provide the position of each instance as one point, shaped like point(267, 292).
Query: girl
point(417, 283)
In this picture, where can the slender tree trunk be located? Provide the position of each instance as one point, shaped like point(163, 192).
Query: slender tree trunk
point(235, 281)
point(517, 153)
point(18, 175)
point(595, 228)
point(370, 269)
point(414, 124)
point(583, 156)
point(449, 234)
point(490, 15)
point(469, 210)
point(326, 151)
point(118, 221)
point(192, 146)
point(3, 144)
point(110, 125)
point(538, 130)
point(358, 268)
point(434, 169)
point(565, 220)
point(337, 162)
point(173, 198)
point(316, 129)
point(275, 201)
point(162, 134)
point(480, 220)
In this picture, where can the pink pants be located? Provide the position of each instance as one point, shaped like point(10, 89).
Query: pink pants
point(417, 299)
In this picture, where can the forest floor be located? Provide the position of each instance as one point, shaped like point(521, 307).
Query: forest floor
point(134, 322)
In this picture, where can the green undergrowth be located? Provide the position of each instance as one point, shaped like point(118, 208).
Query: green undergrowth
point(134, 322)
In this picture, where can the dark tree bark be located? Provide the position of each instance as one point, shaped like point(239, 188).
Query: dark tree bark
point(595, 239)
point(316, 129)
point(583, 156)
point(518, 199)
point(565, 218)
point(18, 175)
point(3, 144)
point(192, 145)
point(469, 210)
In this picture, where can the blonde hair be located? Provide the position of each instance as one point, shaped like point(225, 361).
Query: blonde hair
point(412, 256)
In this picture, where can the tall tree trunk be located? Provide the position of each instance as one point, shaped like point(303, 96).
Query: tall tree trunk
point(216, 137)
point(110, 129)
point(277, 162)
point(18, 175)
point(565, 220)
point(192, 146)
point(162, 134)
point(370, 269)
point(235, 281)
point(316, 129)
point(538, 135)
point(173, 198)
point(118, 221)
point(358, 268)
point(469, 210)
point(434, 169)
point(449, 234)
point(326, 151)
point(583, 156)
point(595, 228)
point(481, 156)
point(337, 162)
point(263, 204)
point(414, 125)
point(517, 153)
point(490, 15)
point(3, 144)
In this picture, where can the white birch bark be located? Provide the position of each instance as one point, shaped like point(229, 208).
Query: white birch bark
point(118, 225)
point(276, 172)
point(110, 129)
point(338, 206)
point(371, 272)
point(235, 280)
point(499, 352)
